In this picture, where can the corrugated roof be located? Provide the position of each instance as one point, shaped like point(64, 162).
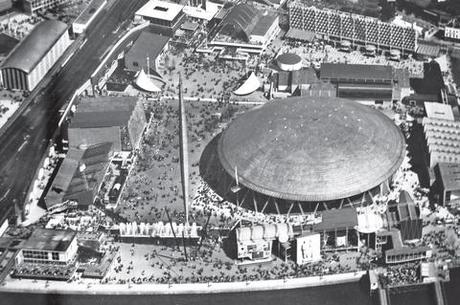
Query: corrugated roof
point(69, 181)
point(243, 17)
point(312, 148)
point(348, 71)
point(28, 53)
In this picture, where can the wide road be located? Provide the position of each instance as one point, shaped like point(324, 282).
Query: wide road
point(24, 143)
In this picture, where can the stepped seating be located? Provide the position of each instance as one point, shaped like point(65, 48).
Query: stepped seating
point(352, 27)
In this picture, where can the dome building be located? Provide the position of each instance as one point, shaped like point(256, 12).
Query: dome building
point(306, 153)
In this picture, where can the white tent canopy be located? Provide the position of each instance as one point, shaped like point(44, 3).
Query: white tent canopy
point(442, 61)
point(145, 83)
point(249, 86)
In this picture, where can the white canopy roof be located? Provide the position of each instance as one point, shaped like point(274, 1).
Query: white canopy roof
point(145, 83)
point(249, 86)
point(442, 61)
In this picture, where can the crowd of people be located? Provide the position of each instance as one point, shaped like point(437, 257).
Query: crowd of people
point(19, 25)
point(47, 271)
point(399, 275)
point(175, 271)
point(318, 52)
point(208, 201)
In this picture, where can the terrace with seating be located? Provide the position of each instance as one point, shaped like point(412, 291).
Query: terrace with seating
point(360, 30)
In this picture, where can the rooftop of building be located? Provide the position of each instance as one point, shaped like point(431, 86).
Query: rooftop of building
point(206, 14)
point(247, 19)
point(148, 45)
point(450, 176)
point(49, 240)
point(7, 43)
point(337, 219)
point(439, 111)
point(312, 148)
point(103, 111)
point(160, 10)
point(81, 171)
point(407, 210)
point(349, 71)
point(263, 24)
point(30, 51)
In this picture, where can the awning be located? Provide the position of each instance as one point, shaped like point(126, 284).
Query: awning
point(302, 35)
point(249, 86)
point(145, 83)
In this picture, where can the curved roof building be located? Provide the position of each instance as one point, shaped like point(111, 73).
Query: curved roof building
point(33, 57)
point(311, 150)
point(240, 21)
point(35, 46)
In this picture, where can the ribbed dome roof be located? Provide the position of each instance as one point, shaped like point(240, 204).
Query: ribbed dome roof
point(312, 149)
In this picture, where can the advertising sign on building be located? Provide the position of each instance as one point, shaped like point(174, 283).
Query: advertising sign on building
point(308, 248)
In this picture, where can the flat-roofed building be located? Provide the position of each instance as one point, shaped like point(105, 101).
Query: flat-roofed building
point(33, 57)
point(31, 6)
point(49, 246)
point(405, 215)
point(395, 252)
point(439, 111)
point(146, 52)
point(87, 16)
point(118, 120)
point(360, 81)
point(79, 176)
point(161, 13)
point(447, 182)
point(294, 81)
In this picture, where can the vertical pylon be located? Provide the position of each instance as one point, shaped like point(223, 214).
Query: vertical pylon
point(183, 142)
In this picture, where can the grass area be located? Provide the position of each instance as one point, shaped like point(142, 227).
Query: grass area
point(155, 182)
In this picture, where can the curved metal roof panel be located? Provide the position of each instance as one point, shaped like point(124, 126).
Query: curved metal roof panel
point(243, 16)
point(30, 51)
point(312, 148)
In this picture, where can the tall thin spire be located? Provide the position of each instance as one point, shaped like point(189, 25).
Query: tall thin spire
point(183, 141)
